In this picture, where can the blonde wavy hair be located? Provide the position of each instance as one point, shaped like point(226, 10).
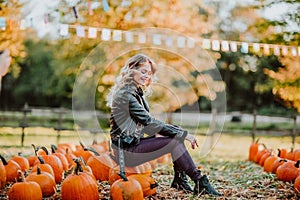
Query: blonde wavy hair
point(126, 75)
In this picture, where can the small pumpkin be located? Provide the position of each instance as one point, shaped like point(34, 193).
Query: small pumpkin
point(253, 149)
point(79, 185)
point(147, 182)
point(277, 163)
point(100, 164)
point(126, 188)
point(282, 153)
point(2, 175)
point(70, 157)
point(164, 159)
point(265, 156)
point(259, 154)
point(45, 180)
point(61, 156)
point(43, 166)
point(81, 151)
point(11, 169)
point(25, 190)
point(297, 184)
point(114, 172)
point(288, 171)
point(269, 163)
point(296, 155)
point(55, 163)
point(22, 161)
point(290, 155)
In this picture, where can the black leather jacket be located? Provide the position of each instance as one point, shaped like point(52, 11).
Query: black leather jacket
point(130, 118)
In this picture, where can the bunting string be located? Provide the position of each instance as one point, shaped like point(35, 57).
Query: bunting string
point(107, 34)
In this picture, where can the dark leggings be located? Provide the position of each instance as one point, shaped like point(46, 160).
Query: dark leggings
point(152, 148)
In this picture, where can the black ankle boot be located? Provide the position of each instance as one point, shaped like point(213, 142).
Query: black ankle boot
point(180, 182)
point(202, 186)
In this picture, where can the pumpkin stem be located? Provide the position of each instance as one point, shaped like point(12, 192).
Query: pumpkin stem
point(45, 149)
point(53, 148)
point(264, 145)
point(92, 150)
point(3, 160)
point(283, 160)
point(297, 163)
point(78, 167)
point(257, 140)
point(153, 185)
point(279, 152)
point(123, 176)
point(35, 149)
point(38, 171)
point(41, 160)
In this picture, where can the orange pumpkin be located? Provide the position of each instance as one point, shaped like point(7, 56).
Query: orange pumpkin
point(290, 155)
point(126, 188)
point(264, 157)
point(22, 161)
point(80, 151)
point(276, 164)
point(43, 166)
point(296, 155)
point(25, 190)
point(297, 184)
point(11, 169)
point(282, 153)
point(147, 182)
point(55, 163)
point(253, 149)
point(70, 157)
point(259, 154)
point(79, 185)
point(269, 163)
point(61, 156)
point(164, 159)
point(114, 172)
point(100, 164)
point(288, 171)
point(45, 180)
point(2, 175)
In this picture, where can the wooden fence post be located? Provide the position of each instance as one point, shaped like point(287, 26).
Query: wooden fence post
point(61, 111)
point(294, 131)
point(24, 123)
point(253, 133)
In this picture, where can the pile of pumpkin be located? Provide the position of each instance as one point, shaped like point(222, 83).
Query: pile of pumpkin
point(285, 164)
point(77, 171)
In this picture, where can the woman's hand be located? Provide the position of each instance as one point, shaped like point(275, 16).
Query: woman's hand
point(192, 140)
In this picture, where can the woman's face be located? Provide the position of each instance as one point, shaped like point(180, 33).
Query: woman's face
point(142, 75)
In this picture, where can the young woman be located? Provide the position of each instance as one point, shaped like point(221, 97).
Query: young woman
point(138, 137)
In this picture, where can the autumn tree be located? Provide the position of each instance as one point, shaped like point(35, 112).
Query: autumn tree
point(284, 80)
point(11, 36)
point(179, 16)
